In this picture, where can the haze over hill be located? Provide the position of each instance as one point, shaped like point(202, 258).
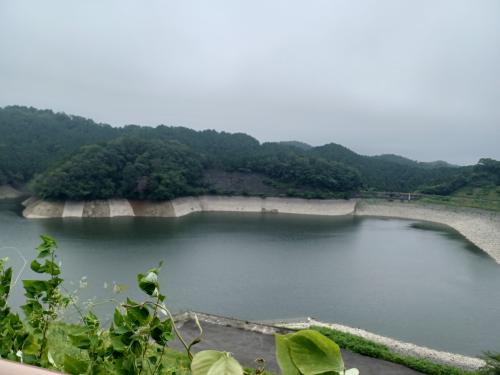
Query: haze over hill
point(417, 78)
point(69, 157)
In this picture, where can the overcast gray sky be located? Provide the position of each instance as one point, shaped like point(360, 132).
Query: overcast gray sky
point(419, 78)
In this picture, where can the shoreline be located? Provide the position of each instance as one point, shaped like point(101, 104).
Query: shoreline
point(480, 227)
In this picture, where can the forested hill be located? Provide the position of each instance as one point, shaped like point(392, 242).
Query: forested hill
point(70, 157)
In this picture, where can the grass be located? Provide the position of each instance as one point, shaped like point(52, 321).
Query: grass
point(370, 349)
point(486, 198)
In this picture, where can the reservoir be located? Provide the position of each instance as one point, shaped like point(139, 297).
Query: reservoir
point(413, 281)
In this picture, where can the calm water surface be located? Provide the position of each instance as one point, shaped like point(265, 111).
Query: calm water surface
point(419, 283)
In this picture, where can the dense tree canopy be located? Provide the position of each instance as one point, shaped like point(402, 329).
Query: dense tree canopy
point(127, 167)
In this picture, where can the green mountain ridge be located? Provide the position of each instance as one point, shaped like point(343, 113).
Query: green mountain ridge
point(58, 154)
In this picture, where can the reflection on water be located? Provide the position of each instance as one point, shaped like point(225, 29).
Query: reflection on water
point(417, 282)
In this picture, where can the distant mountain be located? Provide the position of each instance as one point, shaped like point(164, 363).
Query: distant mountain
point(388, 172)
point(439, 164)
point(405, 161)
point(396, 159)
point(300, 145)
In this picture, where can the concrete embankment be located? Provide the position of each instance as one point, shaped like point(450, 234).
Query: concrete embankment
point(328, 207)
point(8, 192)
point(480, 227)
point(185, 206)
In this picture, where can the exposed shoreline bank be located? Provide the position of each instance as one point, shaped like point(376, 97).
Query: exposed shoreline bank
point(480, 227)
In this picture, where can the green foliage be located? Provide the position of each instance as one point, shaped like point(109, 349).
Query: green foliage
point(484, 175)
point(127, 167)
point(308, 352)
point(43, 300)
point(389, 172)
point(212, 362)
point(303, 171)
point(34, 140)
point(134, 344)
point(129, 345)
point(492, 364)
point(13, 334)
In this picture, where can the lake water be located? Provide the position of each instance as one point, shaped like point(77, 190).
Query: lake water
point(419, 283)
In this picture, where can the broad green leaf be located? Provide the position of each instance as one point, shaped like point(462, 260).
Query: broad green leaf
point(314, 353)
point(118, 318)
point(46, 247)
point(283, 355)
point(137, 314)
point(74, 366)
point(35, 287)
point(32, 309)
point(226, 365)
point(5, 281)
point(161, 332)
point(212, 362)
point(31, 346)
point(81, 340)
point(202, 361)
point(136, 347)
point(49, 267)
point(117, 343)
point(148, 283)
point(36, 266)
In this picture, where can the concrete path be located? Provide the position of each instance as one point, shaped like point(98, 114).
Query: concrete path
point(247, 345)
